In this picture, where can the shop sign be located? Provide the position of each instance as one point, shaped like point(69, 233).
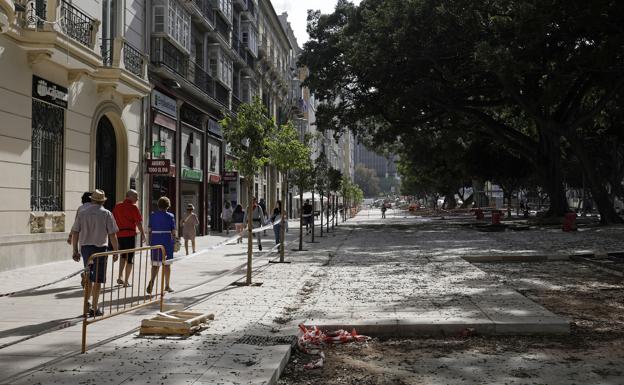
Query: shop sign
point(158, 166)
point(215, 179)
point(49, 92)
point(164, 103)
point(158, 149)
point(192, 174)
point(230, 176)
point(191, 116)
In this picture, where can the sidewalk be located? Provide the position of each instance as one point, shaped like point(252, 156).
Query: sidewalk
point(401, 276)
point(56, 306)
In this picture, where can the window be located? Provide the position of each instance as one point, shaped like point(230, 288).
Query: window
point(159, 19)
point(214, 154)
point(250, 38)
point(167, 138)
point(226, 8)
point(179, 25)
point(46, 182)
point(191, 142)
point(221, 66)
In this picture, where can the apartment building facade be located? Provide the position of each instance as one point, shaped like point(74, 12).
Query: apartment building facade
point(72, 94)
point(206, 58)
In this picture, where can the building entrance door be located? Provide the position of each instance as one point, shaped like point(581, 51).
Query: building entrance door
point(106, 161)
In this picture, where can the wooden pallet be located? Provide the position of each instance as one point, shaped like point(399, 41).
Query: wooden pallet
point(175, 322)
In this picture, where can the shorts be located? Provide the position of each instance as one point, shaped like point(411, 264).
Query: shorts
point(126, 243)
point(307, 220)
point(97, 271)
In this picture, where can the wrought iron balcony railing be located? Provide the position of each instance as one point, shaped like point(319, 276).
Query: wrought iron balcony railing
point(222, 28)
point(203, 80)
point(133, 59)
point(77, 24)
point(164, 53)
point(221, 94)
point(35, 14)
point(117, 51)
point(250, 61)
point(207, 10)
point(236, 102)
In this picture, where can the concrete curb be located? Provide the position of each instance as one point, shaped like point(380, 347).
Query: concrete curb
point(397, 328)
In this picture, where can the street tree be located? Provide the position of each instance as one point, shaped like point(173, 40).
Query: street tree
point(287, 153)
point(529, 75)
point(334, 183)
point(248, 134)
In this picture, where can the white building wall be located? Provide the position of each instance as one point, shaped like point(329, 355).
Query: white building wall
point(18, 246)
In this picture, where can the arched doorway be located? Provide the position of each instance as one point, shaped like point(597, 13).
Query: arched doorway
point(106, 160)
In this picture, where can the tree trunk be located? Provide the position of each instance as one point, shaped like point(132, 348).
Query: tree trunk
point(478, 192)
point(550, 169)
point(301, 218)
point(282, 219)
point(313, 206)
point(596, 185)
point(449, 201)
point(468, 201)
point(322, 213)
point(249, 178)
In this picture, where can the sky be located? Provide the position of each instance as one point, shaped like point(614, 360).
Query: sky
point(298, 13)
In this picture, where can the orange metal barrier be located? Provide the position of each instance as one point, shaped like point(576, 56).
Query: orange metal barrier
point(115, 299)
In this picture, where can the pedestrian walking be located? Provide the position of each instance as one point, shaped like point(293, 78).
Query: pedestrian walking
point(262, 205)
point(226, 216)
point(238, 217)
point(162, 231)
point(307, 215)
point(85, 201)
point(189, 227)
point(275, 220)
point(383, 210)
point(128, 218)
point(93, 228)
point(257, 219)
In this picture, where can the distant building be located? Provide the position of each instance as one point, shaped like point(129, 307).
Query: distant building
point(384, 166)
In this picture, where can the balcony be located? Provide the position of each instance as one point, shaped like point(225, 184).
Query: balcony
point(222, 28)
point(165, 54)
point(202, 80)
point(239, 48)
point(202, 12)
point(221, 94)
point(251, 62)
point(69, 43)
point(124, 68)
point(263, 46)
point(121, 54)
point(249, 10)
point(236, 102)
point(77, 24)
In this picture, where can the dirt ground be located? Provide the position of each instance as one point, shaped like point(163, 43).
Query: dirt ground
point(592, 354)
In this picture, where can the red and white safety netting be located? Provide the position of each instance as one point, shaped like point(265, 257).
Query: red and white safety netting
point(313, 340)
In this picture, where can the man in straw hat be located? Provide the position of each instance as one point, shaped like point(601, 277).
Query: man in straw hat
point(93, 227)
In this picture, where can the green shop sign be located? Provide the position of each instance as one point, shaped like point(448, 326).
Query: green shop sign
point(192, 174)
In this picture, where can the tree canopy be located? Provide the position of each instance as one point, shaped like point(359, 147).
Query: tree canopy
point(532, 77)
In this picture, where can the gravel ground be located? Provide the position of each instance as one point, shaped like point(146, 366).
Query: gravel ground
point(592, 354)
